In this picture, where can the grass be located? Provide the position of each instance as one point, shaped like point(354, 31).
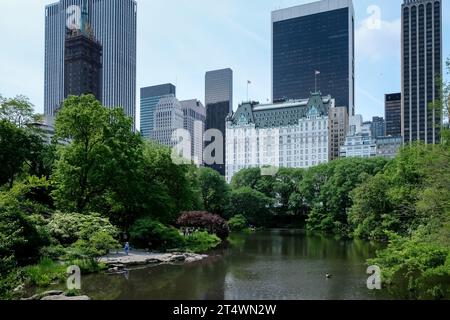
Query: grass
point(45, 273)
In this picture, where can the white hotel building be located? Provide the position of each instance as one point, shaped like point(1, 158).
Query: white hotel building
point(290, 134)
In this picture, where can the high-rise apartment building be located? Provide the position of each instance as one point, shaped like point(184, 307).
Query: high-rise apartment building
point(113, 24)
point(339, 125)
point(393, 114)
point(314, 41)
point(421, 70)
point(150, 97)
point(219, 104)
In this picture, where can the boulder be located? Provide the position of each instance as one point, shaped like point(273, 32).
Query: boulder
point(65, 298)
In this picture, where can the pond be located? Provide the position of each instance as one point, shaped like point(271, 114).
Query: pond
point(273, 264)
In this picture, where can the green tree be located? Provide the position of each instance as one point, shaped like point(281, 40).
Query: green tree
point(214, 190)
point(252, 204)
point(18, 110)
point(18, 147)
point(98, 168)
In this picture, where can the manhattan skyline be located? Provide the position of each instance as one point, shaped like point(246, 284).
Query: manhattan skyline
point(202, 36)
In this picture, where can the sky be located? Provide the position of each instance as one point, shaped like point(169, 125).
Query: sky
point(179, 40)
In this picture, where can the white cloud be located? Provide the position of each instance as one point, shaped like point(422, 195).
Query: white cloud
point(377, 41)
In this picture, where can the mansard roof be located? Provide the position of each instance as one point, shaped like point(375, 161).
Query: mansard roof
point(282, 114)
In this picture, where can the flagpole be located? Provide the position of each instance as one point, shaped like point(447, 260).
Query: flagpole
point(316, 73)
point(248, 83)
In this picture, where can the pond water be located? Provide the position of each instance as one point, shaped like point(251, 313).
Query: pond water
point(272, 264)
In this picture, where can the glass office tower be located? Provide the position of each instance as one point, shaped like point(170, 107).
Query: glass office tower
point(219, 104)
point(421, 70)
point(114, 23)
point(393, 114)
point(311, 38)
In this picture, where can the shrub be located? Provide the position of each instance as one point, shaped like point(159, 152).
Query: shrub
point(68, 228)
point(98, 244)
point(204, 221)
point(237, 223)
point(20, 237)
point(202, 241)
point(147, 233)
point(45, 272)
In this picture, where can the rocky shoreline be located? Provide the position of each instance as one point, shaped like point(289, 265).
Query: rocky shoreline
point(56, 295)
point(119, 261)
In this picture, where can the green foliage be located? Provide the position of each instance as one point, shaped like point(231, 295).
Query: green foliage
point(45, 272)
point(237, 223)
point(201, 241)
point(422, 269)
point(252, 204)
point(9, 282)
point(68, 228)
point(20, 236)
point(94, 245)
point(147, 233)
point(94, 171)
point(18, 110)
point(326, 190)
point(214, 190)
point(18, 147)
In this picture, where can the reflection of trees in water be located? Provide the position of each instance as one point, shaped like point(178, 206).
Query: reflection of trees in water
point(199, 280)
point(245, 261)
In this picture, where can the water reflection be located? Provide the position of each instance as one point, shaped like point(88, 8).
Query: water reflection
point(275, 264)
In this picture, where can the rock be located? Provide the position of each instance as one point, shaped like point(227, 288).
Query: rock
point(19, 288)
point(40, 296)
point(178, 258)
point(64, 298)
point(153, 261)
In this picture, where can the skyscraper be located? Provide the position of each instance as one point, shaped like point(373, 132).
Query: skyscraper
point(393, 114)
point(168, 119)
point(114, 26)
point(378, 127)
point(194, 122)
point(83, 61)
point(338, 129)
point(314, 40)
point(421, 69)
point(219, 104)
point(150, 97)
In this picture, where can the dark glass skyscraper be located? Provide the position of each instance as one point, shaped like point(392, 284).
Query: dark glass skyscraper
point(314, 37)
point(114, 24)
point(219, 104)
point(83, 61)
point(393, 114)
point(421, 70)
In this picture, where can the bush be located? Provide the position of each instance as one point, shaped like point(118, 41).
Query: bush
point(45, 273)
point(147, 233)
point(237, 223)
point(211, 223)
point(98, 244)
point(20, 237)
point(416, 267)
point(202, 241)
point(253, 205)
point(68, 228)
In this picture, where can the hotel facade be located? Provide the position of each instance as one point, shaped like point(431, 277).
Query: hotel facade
point(289, 134)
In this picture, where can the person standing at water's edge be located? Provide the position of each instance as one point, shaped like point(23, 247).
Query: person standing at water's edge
point(127, 248)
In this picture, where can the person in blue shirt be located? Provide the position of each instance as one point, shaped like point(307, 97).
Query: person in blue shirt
point(127, 248)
